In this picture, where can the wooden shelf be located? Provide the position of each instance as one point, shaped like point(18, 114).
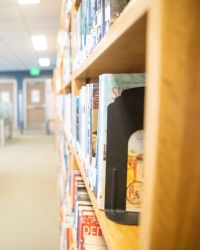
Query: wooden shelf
point(171, 120)
point(65, 88)
point(125, 40)
point(124, 43)
point(117, 236)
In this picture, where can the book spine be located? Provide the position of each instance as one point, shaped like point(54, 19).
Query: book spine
point(99, 159)
point(76, 118)
point(93, 135)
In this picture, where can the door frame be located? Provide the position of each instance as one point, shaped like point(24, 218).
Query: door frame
point(15, 100)
point(32, 80)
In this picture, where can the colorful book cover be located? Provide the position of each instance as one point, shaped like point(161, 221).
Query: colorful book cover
point(110, 87)
point(85, 205)
point(135, 172)
point(88, 226)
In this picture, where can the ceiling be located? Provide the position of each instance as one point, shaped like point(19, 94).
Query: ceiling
point(18, 23)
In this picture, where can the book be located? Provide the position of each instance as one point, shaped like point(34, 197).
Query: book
point(75, 175)
point(124, 153)
point(93, 135)
point(135, 171)
point(89, 226)
point(110, 87)
point(82, 125)
point(84, 205)
point(113, 8)
point(88, 124)
point(97, 243)
point(75, 118)
point(92, 22)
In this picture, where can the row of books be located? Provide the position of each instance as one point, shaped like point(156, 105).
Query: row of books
point(86, 124)
point(92, 22)
point(64, 55)
point(79, 227)
point(86, 229)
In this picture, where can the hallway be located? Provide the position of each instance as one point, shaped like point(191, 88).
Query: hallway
point(28, 202)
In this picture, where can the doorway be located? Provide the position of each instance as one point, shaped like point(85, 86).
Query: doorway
point(8, 94)
point(35, 104)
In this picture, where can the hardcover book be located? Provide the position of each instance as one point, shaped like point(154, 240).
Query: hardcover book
point(89, 226)
point(84, 205)
point(110, 87)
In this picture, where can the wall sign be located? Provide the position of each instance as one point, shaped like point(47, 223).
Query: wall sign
point(5, 96)
point(35, 96)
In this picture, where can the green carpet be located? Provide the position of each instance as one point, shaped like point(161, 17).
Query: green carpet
point(28, 194)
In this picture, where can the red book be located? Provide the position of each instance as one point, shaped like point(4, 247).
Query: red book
point(88, 226)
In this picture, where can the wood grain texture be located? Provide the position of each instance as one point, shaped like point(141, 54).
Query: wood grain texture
point(171, 210)
point(117, 236)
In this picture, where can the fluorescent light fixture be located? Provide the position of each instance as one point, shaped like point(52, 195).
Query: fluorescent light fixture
point(28, 1)
point(44, 62)
point(39, 42)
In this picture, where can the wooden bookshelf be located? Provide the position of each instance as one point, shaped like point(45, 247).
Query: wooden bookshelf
point(125, 40)
point(117, 236)
point(172, 138)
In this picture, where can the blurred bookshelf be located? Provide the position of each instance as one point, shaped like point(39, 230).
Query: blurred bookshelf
point(141, 39)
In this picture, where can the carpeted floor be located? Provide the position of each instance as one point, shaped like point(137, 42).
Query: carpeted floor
point(28, 194)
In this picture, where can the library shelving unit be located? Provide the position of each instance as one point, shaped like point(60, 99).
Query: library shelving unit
point(160, 38)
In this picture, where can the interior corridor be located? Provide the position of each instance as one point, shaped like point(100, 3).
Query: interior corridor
point(28, 202)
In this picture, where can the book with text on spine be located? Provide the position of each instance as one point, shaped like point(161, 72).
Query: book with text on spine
point(89, 226)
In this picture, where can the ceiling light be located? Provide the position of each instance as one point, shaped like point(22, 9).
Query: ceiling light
point(44, 62)
point(28, 1)
point(39, 42)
